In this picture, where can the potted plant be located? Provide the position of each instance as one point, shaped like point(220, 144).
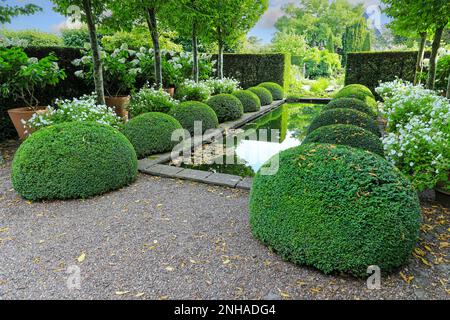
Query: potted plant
point(171, 71)
point(20, 77)
point(120, 70)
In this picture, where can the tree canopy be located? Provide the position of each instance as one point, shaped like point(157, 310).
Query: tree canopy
point(8, 11)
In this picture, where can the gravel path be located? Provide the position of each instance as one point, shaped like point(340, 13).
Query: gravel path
point(169, 239)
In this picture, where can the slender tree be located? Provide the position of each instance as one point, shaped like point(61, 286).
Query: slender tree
point(353, 39)
point(89, 11)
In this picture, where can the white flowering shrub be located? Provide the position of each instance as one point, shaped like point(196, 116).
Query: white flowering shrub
point(193, 91)
point(149, 99)
point(225, 85)
point(418, 136)
point(120, 69)
point(78, 109)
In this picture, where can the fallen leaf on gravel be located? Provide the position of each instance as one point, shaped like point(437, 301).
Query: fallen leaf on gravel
point(4, 229)
point(284, 294)
point(300, 283)
point(444, 245)
point(406, 278)
point(315, 290)
point(267, 263)
point(169, 268)
point(121, 293)
point(138, 295)
point(82, 257)
point(164, 298)
point(419, 251)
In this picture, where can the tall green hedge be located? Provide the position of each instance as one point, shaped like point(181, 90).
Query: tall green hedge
point(252, 69)
point(369, 68)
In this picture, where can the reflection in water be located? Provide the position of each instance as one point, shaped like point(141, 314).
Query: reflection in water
point(261, 139)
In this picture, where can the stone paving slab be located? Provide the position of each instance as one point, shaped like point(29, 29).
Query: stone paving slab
point(222, 179)
point(194, 175)
point(245, 183)
point(162, 170)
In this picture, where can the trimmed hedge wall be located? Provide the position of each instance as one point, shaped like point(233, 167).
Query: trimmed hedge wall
point(368, 68)
point(252, 69)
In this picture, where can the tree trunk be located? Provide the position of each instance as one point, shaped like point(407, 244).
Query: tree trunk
point(220, 58)
point(153, 27)
point(419, 63)
point(195, 70)
point(98, 68)
point(448, 87)
point(433, 59)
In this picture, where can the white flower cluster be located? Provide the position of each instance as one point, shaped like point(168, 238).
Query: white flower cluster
point(190, 87)
point(225, 85)
point(418, 141)
point(77, 109)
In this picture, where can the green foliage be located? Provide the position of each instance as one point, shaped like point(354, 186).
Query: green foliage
point(351, 103)
point(20, 75)
point(315, 20)
point(252, 69)
point(187, 113)
point(76, 38)
point(73, 160)
point(275, 89)
point(150, 100)
point(30, 38)
point(345, 116)
point(7, 11)
point(193, 91)
point(264, 95)
point(443, 72)
point(371, 68)
point(358, 91)
point(291, 43)
point(320, 85)
point(346, 134)
point(151, 133)
point(336, 208)
point(219, 86)
point(354, 38)
point(321, 63)
point(226, 106)
point(249, 100)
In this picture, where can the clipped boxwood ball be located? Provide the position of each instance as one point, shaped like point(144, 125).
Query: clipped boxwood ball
point(226, 106)
point(346, 134)
point(73, 160)
point(351, 103)
point(187, 113)
point(336, 208)
point(275, 89)
point(249, 100)
point(151, 133)
point(345, 116)
point(358, 91)
point(263, 94)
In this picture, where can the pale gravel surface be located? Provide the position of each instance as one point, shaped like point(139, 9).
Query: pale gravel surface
point(169, 239)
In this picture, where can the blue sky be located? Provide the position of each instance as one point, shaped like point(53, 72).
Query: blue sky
point(50, 21)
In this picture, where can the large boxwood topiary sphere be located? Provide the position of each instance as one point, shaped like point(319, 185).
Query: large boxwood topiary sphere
point(249, 100)
point(226, 106)
point(336, 208)
point(73, 160)
point(351, 103)
point(358, 91)
point(346, 134)
point(275, 89)
point(187, 113)
point(263, 94)
point(345, 116)
point(151, 133)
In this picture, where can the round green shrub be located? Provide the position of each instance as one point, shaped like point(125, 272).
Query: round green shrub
point(190, 111)
point(345, 116)
point(151, 133)
point(249, 100)
point(351, 103)
point(346, 134)
point(358, 91)
point(226, 106)
point(264, 95)
point(73, 160)
point(275, 89)
point(336, 208)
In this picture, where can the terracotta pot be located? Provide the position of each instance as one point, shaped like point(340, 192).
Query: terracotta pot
point(442, 196)
point(170, 91)
point(119, 104)
point(19, 115)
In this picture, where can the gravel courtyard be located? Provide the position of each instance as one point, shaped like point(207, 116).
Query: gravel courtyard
point(173, 239)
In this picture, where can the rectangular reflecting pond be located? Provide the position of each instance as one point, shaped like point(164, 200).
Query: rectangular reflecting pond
point(243, 151)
